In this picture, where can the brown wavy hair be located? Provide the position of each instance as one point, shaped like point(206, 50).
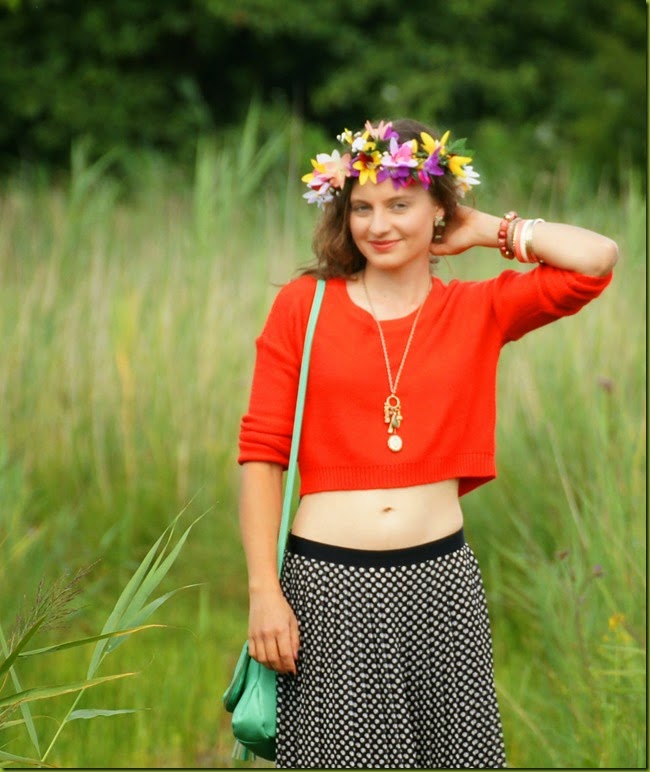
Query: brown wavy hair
point(332, 243)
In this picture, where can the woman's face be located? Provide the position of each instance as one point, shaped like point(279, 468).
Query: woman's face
point(392, 227)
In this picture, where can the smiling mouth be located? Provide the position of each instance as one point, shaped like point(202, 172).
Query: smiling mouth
point(383, 244)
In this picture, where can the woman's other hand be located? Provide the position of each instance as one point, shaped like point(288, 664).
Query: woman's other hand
point(273, 637)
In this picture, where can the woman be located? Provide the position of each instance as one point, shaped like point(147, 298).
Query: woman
point(379, 628)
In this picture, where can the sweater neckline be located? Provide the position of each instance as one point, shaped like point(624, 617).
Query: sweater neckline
point(365, 314)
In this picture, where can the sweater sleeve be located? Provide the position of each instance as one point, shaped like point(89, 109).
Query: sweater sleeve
point(525, 300)
point(267, 426)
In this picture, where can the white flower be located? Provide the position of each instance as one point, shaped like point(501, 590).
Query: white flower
point(320, 196)
point(359, 144)
point(465, 183)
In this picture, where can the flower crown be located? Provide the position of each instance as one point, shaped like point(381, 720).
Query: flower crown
point(376, 155)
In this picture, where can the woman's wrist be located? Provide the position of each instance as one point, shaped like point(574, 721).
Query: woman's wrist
point(264, 587)
point(515, 238)
point(473, 228)
point(487, 230)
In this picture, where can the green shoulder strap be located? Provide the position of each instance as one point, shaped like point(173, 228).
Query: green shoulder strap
point(297, 423)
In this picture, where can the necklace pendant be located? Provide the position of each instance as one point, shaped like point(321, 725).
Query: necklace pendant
point(393, 417)
point(395, 443)
point(392, 412)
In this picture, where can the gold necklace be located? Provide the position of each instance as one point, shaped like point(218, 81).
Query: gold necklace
point(392, 405)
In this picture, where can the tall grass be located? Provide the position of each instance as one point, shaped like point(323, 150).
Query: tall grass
point(127, 323)
point(51, 607)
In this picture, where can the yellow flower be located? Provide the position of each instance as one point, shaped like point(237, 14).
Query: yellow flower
point(364, 144)
point(365, 173)
point(443, 143)
point(319, 168)
point(367, 166)
point(615, 621)
point(346, 136)
point(456, 163)
point(430, 144)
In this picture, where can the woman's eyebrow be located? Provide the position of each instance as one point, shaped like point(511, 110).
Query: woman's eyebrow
point(398, 197)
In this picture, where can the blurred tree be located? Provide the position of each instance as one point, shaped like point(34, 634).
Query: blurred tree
point(117, 72)
point(548, 77)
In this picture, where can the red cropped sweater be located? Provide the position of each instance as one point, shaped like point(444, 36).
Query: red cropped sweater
point(447, 388)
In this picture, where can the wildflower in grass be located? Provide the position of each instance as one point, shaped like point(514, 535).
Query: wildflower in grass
point(605, 383)
point(616, 621)
point(619, 630)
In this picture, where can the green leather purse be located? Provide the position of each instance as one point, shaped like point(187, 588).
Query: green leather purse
point(251, 695)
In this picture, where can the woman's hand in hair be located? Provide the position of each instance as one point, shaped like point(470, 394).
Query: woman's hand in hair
point(468, 228)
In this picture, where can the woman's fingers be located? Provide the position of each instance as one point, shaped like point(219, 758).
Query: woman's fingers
point(273, 632)
point(294, 634)
point(276, 650)
point(283, 660)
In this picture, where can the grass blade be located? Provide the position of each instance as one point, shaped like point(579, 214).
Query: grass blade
point(15, 652)
point(141, 585)
point(88, 713)
point(158, 573)
point(144, 614)
point(24, 708)
point(85, 641)
point(122, 604)
point(45, 692)
point(24, 760)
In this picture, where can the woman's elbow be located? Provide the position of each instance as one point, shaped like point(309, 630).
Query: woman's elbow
point(603, 256)
point(608, 257)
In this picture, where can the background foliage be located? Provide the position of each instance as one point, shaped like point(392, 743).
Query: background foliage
point(551, 79)
point(150, 157)
point(128, 312)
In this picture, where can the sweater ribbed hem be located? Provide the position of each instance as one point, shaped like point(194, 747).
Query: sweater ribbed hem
point(472, 469)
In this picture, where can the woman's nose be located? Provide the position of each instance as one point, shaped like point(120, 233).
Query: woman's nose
point(378, 222)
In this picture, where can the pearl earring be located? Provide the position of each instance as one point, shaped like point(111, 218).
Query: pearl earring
point(438, 227)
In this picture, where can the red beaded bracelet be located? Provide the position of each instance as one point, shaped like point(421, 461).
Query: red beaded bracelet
point(502, 236)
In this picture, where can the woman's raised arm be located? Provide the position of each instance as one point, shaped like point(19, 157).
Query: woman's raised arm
point(563, 246)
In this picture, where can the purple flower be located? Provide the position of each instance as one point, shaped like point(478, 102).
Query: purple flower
point(382, 174)
point(400, 175)
point(432, 165)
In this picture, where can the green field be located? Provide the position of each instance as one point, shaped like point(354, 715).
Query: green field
point(128, 314)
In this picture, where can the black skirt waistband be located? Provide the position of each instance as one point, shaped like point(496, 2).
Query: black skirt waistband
point(349, 556)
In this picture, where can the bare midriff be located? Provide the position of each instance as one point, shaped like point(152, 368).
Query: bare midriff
point(380, 519)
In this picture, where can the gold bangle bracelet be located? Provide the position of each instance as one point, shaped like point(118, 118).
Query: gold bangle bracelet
point(528, 250)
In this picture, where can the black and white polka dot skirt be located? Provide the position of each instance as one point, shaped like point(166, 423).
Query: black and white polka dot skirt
point(395, 666)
